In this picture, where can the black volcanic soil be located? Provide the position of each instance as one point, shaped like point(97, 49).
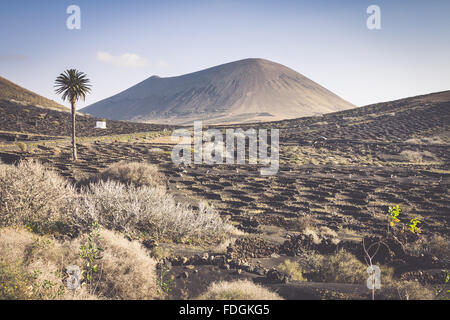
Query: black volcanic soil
point(345, 182)
point(28, 123)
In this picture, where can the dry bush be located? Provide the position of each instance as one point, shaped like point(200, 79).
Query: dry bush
point(33, 267)
point(340, 267)
point(304, 222)
point(439, 246)
point(238, 290)
point(126, 269)
point(436, 245)
point(22, 146)
point(137, 173)
point(293, 269)
point(407, 290)
point(33, 196)
point(425, 140)
point(416, 156)
point(412, 156)
point(327, 232)
point(149, 211)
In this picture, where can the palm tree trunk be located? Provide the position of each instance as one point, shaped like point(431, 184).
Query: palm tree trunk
point(74, 144)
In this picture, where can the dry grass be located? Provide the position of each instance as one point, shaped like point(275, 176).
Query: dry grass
point(149, 212)
point(33, 196)
point(34, 267)
point(238, 290)
point(137, 173)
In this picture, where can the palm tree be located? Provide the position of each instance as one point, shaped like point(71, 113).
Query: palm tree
point(73, 85)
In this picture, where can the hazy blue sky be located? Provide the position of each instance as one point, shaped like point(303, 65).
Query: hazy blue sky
point(123, 42)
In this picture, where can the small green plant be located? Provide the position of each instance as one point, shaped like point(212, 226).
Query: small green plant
point(165, 282)
point(90, 252)
point(22, 146)
point(394, 212)
point(413, 226)
point(50, 290)
point(444, 290)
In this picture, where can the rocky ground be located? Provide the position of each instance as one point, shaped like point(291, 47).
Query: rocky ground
point(343, 170)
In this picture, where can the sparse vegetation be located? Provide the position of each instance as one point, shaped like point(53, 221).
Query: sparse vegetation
point(238, 290)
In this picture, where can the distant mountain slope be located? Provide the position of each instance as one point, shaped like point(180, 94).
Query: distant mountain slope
point(242, 91)
point(15, 93)
point(408, 119)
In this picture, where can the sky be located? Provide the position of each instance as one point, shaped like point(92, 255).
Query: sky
point(121, 43)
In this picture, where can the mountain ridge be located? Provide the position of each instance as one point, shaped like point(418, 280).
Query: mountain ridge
point(11, 91)
point(240, 91)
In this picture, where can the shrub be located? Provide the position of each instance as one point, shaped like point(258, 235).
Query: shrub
point(150, 212)
point(33, 196)
point(293, 269)
point(340, 267)
point(436, 245)
point(416, 156)
point(126, 270)
point(22, 146)
point(408, 290)
point(304, 222)
point(425, 140)
point(137, 173)
point(33, 267)
point(238, 290)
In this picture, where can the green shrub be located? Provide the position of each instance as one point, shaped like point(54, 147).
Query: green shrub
point(340, 267)
point(293, 269)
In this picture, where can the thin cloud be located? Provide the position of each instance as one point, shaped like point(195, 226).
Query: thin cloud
point(128, 60)
point(13, 57)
